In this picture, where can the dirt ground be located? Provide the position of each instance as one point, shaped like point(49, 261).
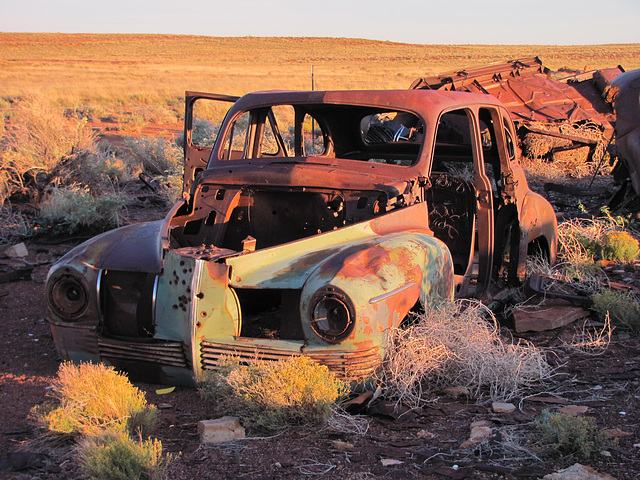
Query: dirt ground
point(425, 444)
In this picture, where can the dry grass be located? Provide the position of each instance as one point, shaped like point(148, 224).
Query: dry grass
point(36, 139)
point(459, 344)
point(91, 69)
point(581, 240)
point(592, 341)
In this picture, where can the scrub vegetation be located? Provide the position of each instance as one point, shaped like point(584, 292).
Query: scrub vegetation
point(110, 418)
point(271, 396)
point(92, 398)
point(563, 435)
point(459, 344)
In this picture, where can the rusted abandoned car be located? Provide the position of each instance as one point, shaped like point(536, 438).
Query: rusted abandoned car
point(626, 92)
point(310, 223)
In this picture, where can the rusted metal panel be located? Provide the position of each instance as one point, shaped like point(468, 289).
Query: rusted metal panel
point(626, 92)
point(550, 103)
point(289, 265)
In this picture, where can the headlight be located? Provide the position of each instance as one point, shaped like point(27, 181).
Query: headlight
point(68, 297)
point(332, 314)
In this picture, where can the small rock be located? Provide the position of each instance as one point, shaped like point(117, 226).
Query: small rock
point(478, 434)
point(573, 410)
point(165, 406)
point(225, 429)
point(456, 392)
point(480, 423)
point(387, 462)
point(339, 445)
point(578, 472)
point(499, 407)
point(17, 251)
point(604, 453)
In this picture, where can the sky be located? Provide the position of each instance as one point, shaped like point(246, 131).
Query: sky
point(543, 22)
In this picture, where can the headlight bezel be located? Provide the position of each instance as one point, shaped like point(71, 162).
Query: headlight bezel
point(332, 315)
point(68, 297)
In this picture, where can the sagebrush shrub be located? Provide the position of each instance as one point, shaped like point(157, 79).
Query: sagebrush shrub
point(272, 395)
point(71, 210)
point(94, 398)
point(116, 456)
point(567, 435)
point(623, 308)
point(157, 155)
point(619, 246)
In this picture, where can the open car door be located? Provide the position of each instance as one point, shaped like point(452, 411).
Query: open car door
point(203, 117)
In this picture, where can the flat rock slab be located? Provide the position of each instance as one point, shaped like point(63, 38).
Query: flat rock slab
point(501, 407)
point(220, 430)
point(549, 314)
point(578, 472)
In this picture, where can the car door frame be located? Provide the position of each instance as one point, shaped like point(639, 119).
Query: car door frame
point(196, 157)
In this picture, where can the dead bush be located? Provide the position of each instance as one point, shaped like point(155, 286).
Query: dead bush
point(37, 136)
point(583, 240)
point(458, 344)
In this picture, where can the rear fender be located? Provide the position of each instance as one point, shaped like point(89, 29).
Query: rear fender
point(537, 219)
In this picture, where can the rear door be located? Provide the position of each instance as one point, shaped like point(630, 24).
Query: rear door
point(203, 117)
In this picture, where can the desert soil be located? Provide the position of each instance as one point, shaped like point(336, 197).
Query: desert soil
point(425, 444)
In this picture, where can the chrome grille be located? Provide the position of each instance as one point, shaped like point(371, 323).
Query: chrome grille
point(161, 352)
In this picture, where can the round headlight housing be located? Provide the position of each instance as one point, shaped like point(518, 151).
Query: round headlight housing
point(332, 314)
point(68, 297)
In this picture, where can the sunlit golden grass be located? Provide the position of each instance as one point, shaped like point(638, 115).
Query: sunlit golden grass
point(74, 69)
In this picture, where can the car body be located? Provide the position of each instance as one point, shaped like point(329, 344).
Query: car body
point(626, 88)
point(311, 223)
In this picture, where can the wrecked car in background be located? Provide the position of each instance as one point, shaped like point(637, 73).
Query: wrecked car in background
point(625, 91)
point(310, 224)
point(552, 111)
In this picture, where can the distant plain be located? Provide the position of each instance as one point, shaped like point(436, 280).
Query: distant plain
point(74, 70)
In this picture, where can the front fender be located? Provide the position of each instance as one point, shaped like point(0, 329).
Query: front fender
point(132, 248)
point(383, 279)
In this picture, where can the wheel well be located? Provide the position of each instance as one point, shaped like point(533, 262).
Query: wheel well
point(539, 247)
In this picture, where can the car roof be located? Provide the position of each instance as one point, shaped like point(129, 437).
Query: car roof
point(419, 101)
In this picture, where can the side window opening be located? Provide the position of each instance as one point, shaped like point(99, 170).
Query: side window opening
point(238, 138)
point(313, 137)
point(453, 149)
point(284, 116)
point(490, 151)
point(511, 149)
